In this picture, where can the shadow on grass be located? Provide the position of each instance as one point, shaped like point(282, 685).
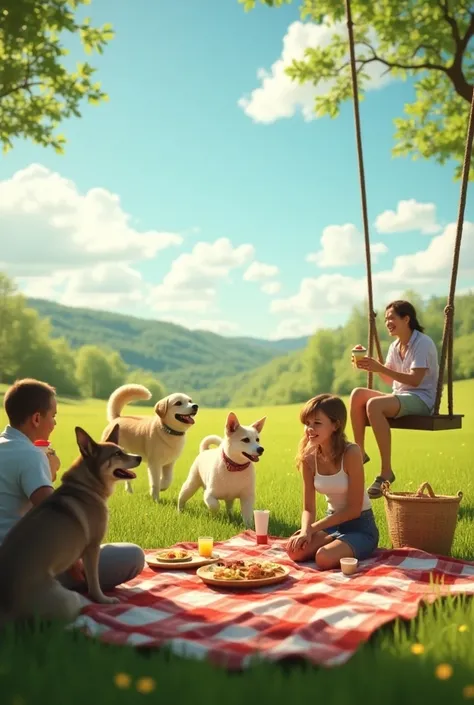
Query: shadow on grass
point(466, 511)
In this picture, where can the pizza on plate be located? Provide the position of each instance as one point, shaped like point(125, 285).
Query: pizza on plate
point(246, 570)
point(173, 554)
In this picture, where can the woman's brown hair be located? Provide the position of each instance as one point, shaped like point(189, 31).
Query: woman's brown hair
point(334, 408)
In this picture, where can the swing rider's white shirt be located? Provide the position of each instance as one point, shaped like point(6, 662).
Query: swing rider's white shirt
point(420, 353)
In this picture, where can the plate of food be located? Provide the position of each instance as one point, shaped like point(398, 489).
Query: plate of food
point(173, 555)
point(243, 574)
point(179, 558)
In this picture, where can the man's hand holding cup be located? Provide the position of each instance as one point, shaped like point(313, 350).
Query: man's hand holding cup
point(54, 462)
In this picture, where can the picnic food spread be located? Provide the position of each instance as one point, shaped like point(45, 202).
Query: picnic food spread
point(246, 570)
point(174, 554)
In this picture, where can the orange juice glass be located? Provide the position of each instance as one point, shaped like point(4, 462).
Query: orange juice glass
point(205, 546)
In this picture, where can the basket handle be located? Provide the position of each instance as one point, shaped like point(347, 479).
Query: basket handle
point(423, 487)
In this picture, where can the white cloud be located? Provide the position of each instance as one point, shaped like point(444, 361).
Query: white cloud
point(113, 287)
point(190, 285)
point(410, 215)
point(48, 225)
point(294, 328)
point(258, 271)
point(280, 97)
point(334, 291)
point(431, 266)
point(427, 271)
point(271, 288)
point(343, 245)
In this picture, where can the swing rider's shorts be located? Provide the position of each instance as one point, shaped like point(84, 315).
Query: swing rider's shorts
point(411, 405)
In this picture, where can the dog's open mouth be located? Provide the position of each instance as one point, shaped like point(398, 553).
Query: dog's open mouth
point(122, 474)
point(253, 458)
point(185, 418)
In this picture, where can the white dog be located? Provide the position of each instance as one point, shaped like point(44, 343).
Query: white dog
point(227, 472)
point(159, 437)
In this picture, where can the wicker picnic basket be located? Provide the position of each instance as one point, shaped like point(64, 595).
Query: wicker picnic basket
point(419, 520)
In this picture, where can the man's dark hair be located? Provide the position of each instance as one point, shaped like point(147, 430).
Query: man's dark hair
point(25, 398)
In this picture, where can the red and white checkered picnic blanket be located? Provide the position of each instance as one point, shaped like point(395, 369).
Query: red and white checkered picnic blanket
point(321, 616)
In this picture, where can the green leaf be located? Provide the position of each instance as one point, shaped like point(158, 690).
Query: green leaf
point(414, 39)
point(37, 96)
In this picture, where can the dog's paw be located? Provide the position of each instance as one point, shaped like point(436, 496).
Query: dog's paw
point(128, 488)
point(155, 497)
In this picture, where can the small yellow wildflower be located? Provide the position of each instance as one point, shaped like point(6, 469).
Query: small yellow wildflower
point(444, 671)
point(463, 628)
point(145, 685)
point(417, 649)
point(18, 700)
point(468, 692)
point(122, 680)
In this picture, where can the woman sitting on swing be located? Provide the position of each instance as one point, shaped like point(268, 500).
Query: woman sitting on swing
point(412, 369)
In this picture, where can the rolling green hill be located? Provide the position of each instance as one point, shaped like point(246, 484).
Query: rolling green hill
point(181, 358)
point(247, 372)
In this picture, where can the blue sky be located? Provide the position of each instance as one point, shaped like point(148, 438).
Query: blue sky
point(186, 159)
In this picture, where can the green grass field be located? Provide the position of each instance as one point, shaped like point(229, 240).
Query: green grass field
point(57, 667)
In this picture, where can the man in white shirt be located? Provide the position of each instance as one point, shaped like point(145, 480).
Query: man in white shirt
point(411, 367)
point(27, 476)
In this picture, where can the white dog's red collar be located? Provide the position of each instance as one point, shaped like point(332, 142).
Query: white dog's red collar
point(232, 466)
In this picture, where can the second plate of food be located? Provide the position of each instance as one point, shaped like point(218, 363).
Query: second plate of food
point(243, 574)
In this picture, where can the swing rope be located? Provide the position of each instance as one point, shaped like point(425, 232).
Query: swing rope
point(448, 330)
point(372, 334)
point(446, 357)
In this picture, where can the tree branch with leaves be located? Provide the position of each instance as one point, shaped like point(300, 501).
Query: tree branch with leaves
point(37, 90)
point(428, 40)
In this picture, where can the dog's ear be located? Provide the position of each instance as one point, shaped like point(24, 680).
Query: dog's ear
point(113, 436)
point(87, 445)
point(259, 424)
point(161, 407)
point(232, 423)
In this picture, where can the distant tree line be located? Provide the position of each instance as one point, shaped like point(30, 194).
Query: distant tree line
point(27, 349)
point(325, 364)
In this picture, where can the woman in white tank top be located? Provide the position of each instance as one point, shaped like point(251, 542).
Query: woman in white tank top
point(332, 466)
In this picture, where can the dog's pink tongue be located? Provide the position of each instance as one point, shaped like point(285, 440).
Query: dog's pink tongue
point(189, 419)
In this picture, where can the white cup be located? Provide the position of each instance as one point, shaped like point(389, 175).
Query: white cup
point(349, 565)
point(261, 517)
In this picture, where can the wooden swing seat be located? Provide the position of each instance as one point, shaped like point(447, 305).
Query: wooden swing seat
point(436, 422)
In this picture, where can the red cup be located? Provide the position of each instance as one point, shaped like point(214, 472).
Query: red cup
point(42, 445)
